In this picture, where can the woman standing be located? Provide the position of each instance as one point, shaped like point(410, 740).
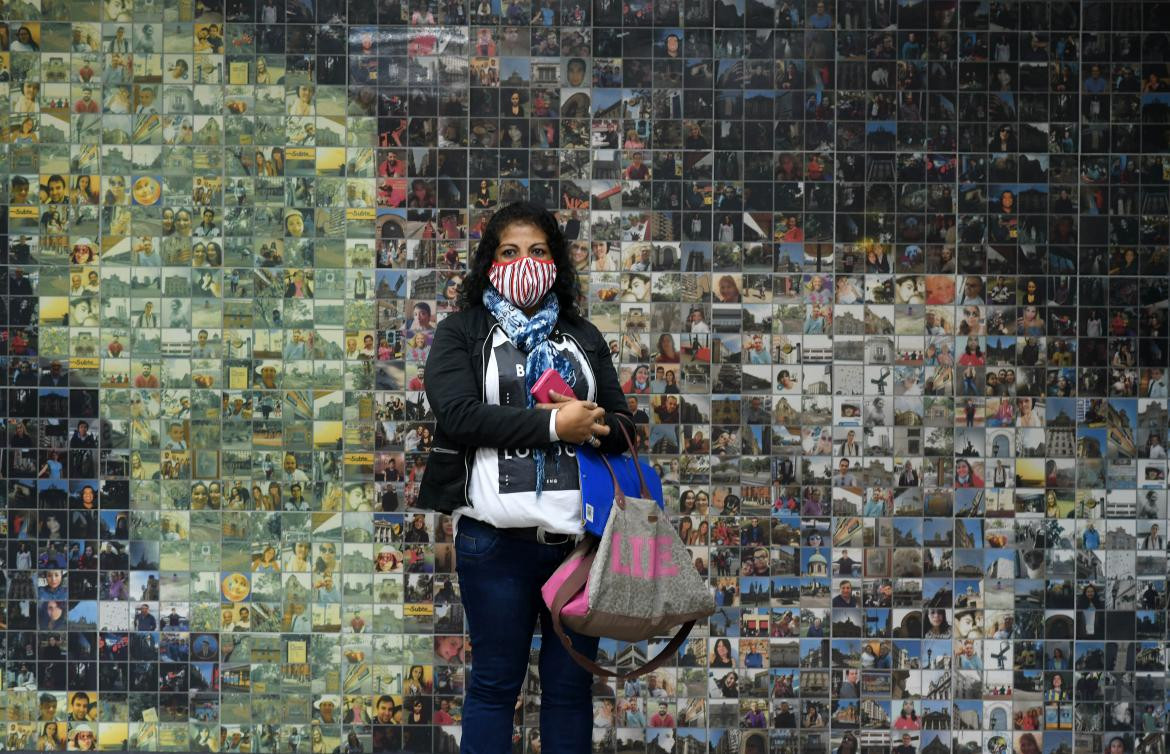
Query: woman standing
point(505, 466)
point(1153, 540)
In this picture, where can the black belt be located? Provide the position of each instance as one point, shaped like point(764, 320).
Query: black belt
point(534, 534)
point(530, 534)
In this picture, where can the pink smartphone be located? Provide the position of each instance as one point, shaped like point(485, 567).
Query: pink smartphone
point(550, 381)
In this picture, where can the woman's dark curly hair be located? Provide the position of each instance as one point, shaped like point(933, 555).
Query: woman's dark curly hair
point(565, 286)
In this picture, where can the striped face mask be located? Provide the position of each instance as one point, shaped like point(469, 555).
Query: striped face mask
point(524, 281)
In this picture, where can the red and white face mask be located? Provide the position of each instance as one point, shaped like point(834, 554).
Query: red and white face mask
point(524, 281)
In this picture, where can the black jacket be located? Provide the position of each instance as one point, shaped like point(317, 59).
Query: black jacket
point(455, 389)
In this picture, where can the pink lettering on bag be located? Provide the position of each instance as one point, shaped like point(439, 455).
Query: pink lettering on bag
point(664, 563)
point(655, 563)
point(636, 551)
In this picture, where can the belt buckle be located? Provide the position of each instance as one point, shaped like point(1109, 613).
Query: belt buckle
point(542, 537)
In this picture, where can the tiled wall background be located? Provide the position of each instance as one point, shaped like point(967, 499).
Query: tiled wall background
point(896, 272)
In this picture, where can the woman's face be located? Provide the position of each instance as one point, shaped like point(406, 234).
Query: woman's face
point(521, 240)
point(580, 254)
point(449, 647)
point(637, 288)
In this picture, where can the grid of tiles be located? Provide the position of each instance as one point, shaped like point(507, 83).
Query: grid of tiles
point(885, 282)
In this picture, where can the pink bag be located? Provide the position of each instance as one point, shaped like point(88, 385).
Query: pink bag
point(635, 583)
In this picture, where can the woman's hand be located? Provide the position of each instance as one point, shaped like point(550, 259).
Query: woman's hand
point(577, 421)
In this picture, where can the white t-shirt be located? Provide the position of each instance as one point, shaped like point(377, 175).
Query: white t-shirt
point(503, 480)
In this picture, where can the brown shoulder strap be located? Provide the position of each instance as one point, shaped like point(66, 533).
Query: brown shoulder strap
point(637, 462)
point(619, 496)
point(573, 584)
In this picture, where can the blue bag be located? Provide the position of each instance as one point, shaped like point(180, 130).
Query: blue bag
point(597, 485)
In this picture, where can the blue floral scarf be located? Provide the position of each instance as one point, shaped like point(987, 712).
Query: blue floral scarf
point(531, 336)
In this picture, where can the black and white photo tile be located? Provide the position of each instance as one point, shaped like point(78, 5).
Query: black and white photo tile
point(885, 282)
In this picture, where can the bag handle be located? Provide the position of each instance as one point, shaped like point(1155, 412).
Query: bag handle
point(634, 453)
point(573, 584)
point(619, 497)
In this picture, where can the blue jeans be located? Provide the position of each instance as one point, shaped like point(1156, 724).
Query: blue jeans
point(500, 579)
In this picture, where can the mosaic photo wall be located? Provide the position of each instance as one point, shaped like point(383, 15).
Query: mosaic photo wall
point(885, 282)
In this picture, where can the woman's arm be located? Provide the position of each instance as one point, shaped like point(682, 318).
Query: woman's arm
point(451, 388)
